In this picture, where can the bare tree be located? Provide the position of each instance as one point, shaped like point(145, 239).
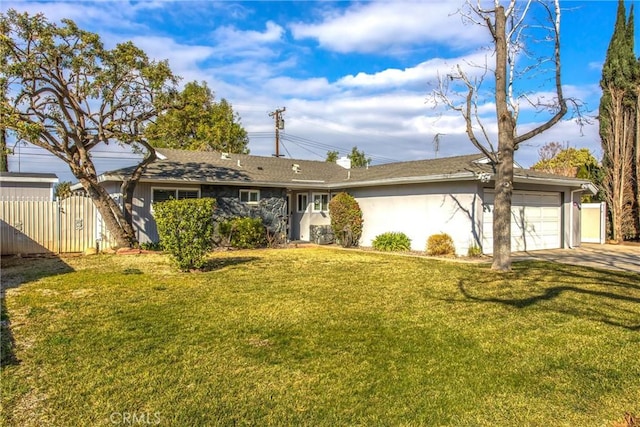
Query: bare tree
point(509, 27)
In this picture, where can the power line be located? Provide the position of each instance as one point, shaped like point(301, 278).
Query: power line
point(285, 148)
point(316, 144)
point(304, 148)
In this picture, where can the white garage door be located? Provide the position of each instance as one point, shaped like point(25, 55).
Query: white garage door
point(536, 220)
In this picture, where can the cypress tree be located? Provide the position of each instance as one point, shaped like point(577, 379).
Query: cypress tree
point(618, 121)
point(636, 145)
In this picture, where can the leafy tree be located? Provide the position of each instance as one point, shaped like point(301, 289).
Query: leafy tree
point(510, 25)
point(567, 162)
point(4, 152)
point(332, 156)
point(571, 162)
point(199, 123)
point(358, 158)
point(618, 124)
point(62, 190)
point(68, 95)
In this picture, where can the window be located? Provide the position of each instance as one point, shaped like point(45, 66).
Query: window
point(303, 202)
point(164, 194)
point(320, 202)
point(249, 196)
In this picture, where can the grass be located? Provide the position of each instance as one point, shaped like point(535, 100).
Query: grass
point(320, 337)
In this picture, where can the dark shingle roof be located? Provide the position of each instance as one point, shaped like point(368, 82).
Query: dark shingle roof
point(214, 167)
point(443, 167)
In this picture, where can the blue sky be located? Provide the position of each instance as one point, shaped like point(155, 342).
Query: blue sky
point(348, 73)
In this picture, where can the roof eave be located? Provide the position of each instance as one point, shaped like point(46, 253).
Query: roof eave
point(29, 179)
point(566, 182)
point(464, 176)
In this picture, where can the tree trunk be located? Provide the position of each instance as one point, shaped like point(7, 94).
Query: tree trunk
point(617, 145)
point(506, 142)
point(502, 213)
point(104, 203)
point(129, 185)
point(4, 163)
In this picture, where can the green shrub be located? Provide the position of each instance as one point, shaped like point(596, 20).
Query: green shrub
point(186, 230)
point(346, 219)
point(243, 233)
point(474, 251)
point(151, 246)
point(440, 244)
point(392, 241)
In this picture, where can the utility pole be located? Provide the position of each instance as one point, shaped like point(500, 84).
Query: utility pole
point(277, 115)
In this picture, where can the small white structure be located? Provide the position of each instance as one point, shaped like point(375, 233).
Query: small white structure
point(16, 186)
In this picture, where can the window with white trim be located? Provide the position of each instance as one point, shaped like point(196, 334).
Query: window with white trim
point(251, 197)
point(303, 202)
point(320, 202)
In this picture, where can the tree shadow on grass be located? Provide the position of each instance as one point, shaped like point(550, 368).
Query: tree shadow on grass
point(214, 264)
point(609, 297)
point(17, 271)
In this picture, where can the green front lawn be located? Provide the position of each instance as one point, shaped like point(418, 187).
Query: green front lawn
point(317, 336)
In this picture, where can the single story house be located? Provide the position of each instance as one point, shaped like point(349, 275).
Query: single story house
point(419, 198)
point(16, 186)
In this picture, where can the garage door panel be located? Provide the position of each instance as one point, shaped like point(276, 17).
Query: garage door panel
point(535, 221)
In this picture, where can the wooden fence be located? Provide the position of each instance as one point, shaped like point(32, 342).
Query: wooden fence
point(594, 222)
point(72, 224)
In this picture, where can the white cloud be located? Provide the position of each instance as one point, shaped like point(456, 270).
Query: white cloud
point(420, 76)
point(382, 27)
point(233, 42)
point(96, 17)
point(310, 88)
point(181, 56)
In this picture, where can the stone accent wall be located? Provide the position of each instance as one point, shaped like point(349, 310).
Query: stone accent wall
point(272, 207)
point(322, 234)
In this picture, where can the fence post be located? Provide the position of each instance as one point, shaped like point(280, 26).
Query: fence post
point(59, 224)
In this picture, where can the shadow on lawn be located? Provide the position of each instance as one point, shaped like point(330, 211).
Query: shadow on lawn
point(214, 264)
point(17, 271)
point(606, 296)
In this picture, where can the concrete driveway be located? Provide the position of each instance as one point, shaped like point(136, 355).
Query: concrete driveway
point(610, 257)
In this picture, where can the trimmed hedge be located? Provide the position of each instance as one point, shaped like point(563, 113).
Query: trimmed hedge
point(186, 230)
point(440, 244)
point(391, 242)
point(346, 219)
point(243, 233)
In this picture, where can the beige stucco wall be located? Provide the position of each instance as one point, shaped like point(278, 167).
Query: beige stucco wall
point(420, 210)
